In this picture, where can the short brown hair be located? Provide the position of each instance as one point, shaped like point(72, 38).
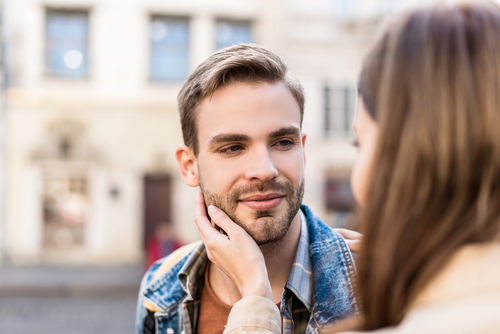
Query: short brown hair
point(239, 63)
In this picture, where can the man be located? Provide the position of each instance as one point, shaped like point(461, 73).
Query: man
point(241, 115)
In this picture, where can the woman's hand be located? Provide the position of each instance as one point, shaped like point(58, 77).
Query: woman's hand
point(352, 238)
point(236, 253)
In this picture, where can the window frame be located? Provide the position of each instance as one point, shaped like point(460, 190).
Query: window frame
point(48, 72)
point(172, 18)
point(231, 21)
point(332, 113)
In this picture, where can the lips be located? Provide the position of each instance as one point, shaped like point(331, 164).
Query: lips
point(263, 201)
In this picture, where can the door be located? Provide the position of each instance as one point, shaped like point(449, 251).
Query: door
point(157, 203)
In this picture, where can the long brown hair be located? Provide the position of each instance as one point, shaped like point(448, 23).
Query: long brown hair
point(432, 83)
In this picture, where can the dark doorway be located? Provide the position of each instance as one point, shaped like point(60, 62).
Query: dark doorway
point(157, 203)
point(338, 194)
point(340, 202)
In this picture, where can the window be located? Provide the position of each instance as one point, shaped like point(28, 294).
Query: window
point(232, 32)
point(345, 10)
point(169, 49)
point(67, 43)
point(339, 106)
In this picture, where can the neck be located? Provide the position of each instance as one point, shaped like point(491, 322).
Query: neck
point(279, 257)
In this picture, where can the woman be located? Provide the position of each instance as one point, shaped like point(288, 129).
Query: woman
point(427, 181)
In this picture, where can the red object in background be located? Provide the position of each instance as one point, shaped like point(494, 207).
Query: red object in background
point(161, 244)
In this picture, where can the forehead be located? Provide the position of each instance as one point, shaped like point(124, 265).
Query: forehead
point(251, 109)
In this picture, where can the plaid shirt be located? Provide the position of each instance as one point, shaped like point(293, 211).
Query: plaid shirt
point(170, 305)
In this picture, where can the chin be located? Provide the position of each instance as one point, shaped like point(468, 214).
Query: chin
point(266, 229)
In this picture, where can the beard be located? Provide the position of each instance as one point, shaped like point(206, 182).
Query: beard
point(267, 226)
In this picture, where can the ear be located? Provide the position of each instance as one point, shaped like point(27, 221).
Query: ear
point(187, 164)
point(304, 136)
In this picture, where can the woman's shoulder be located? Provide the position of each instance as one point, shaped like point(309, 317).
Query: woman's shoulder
point(478, 315)
point(473, 272)
point(463, 298)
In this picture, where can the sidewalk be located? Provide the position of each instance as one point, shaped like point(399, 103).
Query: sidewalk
point(75, 282)
point(53, 300)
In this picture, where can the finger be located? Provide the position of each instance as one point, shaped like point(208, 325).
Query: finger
point(354, 245)
point(200, 206)
point(201, 219)
point(221, 219)
point(349, 234)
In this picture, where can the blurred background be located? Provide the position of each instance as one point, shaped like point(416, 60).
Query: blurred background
point(89, 187)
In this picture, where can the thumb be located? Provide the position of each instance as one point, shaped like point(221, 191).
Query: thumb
point(222, 220)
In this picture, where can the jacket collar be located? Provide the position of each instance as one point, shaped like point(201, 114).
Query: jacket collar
point(333, 273)
point(192, 273)
point(171, 287)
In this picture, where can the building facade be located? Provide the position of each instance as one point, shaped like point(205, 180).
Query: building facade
point(92, 125)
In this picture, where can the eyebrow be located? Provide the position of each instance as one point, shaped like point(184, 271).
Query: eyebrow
point(227, 137)
point(291, 130)
point(238, 137)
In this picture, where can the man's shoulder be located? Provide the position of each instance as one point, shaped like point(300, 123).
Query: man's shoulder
point(160, 283)
point(325, 243)
point(170, 264)
point(318, 230)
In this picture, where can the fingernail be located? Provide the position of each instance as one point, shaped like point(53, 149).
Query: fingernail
point(212, 209)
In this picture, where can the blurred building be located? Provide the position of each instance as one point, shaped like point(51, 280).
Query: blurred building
point(3, 174)
point(92, 123)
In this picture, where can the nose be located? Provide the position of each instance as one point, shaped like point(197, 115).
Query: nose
point(260, 166)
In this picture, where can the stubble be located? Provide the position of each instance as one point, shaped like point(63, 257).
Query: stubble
point(267, 226)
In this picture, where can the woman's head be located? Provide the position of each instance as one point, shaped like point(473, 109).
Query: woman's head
point(431, 86)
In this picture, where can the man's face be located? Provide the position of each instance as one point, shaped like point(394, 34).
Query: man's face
point(251, 157)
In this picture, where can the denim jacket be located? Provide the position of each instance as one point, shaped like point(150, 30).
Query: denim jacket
point(320, 289)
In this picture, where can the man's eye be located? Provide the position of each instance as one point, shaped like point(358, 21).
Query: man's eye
point(285, 143)
point(230, 149)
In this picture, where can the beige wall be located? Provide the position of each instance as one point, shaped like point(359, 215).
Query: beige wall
point(130, 125)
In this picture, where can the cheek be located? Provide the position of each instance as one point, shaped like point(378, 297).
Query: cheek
point(360, 177)
point(218, 178)
point(355, 182)
point(291, 167)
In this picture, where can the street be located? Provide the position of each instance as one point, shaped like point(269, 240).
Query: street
point(66, 315)
point(53, 300)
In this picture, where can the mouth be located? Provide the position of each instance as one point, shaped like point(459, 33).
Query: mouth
point(262, 201)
